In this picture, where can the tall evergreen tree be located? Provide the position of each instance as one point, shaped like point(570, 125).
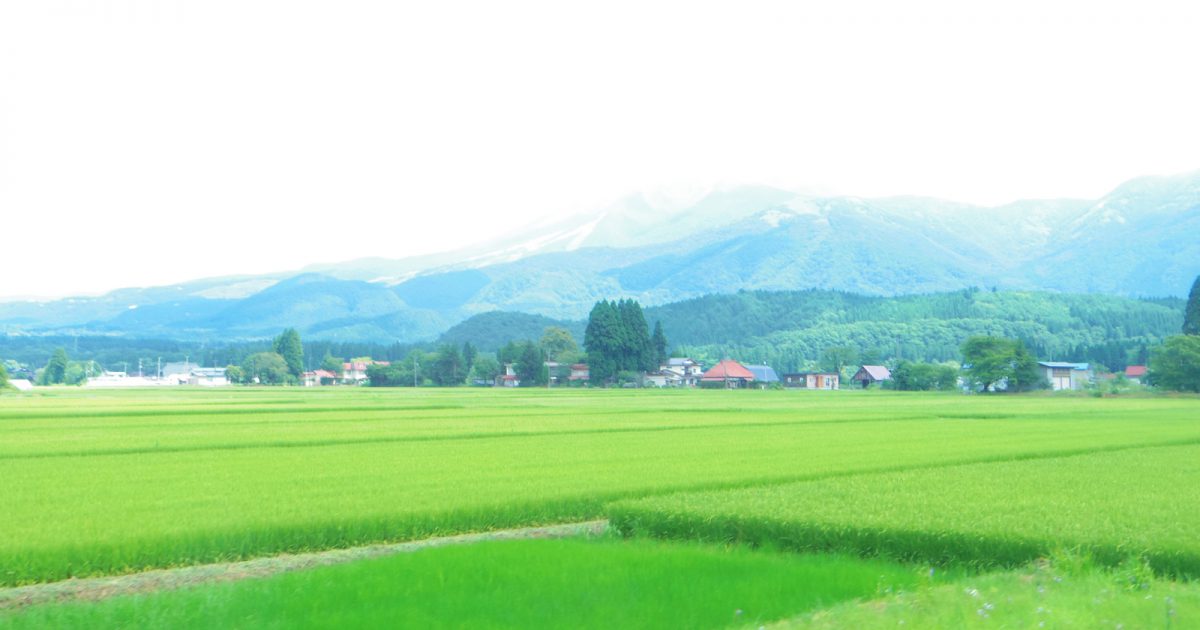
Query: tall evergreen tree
point(468, 354)
point(601, 340)
point(449, 367)
point(637, 349)
point(659, 339)
point(1191, 316)
point(531, 367)
point(288, 346)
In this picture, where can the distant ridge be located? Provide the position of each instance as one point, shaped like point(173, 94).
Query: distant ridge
point(1139, 240)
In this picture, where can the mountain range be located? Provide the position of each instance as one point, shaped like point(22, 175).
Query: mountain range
point(1138, 240)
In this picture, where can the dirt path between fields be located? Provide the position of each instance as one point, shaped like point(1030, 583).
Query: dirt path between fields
point(92, 589)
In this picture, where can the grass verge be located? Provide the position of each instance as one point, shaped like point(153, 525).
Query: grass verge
point(1046, 595)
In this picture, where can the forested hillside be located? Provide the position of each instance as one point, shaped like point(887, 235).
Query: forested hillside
point(792, 330)
point(490, 331)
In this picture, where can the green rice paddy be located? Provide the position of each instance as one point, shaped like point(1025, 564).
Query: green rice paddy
point(103, 483)
point(1142, 502)
point(515, 584)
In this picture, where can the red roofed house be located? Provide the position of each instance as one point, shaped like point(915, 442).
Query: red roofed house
point(868, 374)
point(319, 377)
point(727, 373)
point(1135, 373)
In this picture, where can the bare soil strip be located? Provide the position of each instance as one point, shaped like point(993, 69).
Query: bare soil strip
point(92, 589)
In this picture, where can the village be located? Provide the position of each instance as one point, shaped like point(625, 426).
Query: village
point(676, 372)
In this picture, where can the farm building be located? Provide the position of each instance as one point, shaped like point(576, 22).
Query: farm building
point(764, 375)
point(870, 374)
point(812, 380)
point(1064, 375)
point(121, 379)
point(730, 373)
point(579, 372)
point(509, 377)
point(208, 377)
point(178, 370)
point(21, 384)
point(1135, 373)
point(662, 378)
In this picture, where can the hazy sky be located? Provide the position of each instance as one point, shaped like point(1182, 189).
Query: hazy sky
point(152, 142)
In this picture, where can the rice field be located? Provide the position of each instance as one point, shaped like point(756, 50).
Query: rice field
point(580, 584)
point(1141, 503)
point(111, 482)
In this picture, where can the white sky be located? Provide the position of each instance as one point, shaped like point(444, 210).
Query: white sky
point(152, 142)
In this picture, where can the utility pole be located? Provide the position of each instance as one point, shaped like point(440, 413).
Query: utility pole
point(415, 367)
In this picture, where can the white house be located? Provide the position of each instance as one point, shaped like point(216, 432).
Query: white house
point(21, 384)
point(812, 380)
point(355, 372)
point(682, 372)
point(208, 377)
point(1063, 375)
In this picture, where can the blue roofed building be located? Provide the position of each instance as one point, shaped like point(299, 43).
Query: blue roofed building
point(764, 375)
point(1065, 375)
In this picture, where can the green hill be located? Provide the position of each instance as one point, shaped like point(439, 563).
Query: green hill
point(793, 329)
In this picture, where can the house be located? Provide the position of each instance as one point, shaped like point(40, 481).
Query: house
point(661, 378)
point(579, 372)
point(764, 375)
point(1135, 373)
point(685, 366)
point(21, 384)
point(812, 380)
point(682, 372)
point(355, 372)
point(1065, 375)
point(509, 377)
point(869, 374)
point(317, 378)
point(727, 373)
point(208, 377)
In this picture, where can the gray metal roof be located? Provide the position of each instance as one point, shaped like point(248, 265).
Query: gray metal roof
point(764, 373)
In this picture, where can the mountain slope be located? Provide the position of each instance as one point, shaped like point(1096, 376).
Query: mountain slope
point(1139, 240)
